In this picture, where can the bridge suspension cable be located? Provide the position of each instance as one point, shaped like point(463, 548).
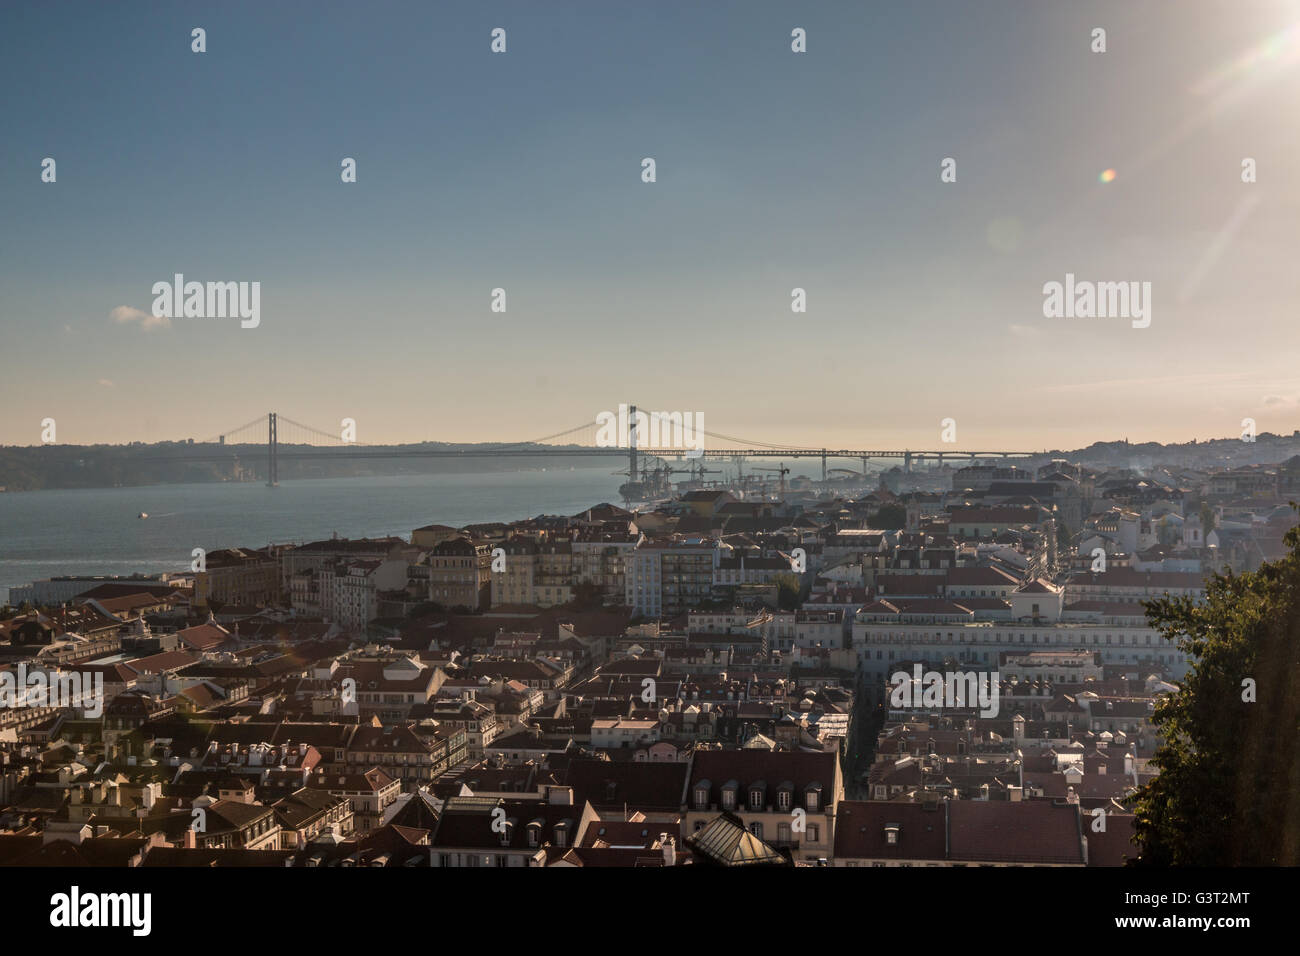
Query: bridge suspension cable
point(336, 439)
point(286, 437)
point(545, 438)
point(259, 423)
point(757, 444)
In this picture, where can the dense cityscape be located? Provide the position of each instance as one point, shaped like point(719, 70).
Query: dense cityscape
point(756, 441)
point(708, 679)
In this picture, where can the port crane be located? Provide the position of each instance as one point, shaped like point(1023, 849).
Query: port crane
point(782, 470)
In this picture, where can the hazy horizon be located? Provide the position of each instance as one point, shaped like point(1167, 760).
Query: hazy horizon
point(775, 170)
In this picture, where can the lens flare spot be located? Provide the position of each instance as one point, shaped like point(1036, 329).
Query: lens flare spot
point(1107, 176)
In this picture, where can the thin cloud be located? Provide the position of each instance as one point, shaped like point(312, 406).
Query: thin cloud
point(124, 315)
point(107, 383)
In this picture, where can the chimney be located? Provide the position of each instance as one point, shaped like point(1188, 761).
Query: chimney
point(670, 849)
point(191, 841)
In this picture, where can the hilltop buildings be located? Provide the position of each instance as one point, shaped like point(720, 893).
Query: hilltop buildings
point(701, 684)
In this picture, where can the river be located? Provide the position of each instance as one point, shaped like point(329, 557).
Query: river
point(97, 530)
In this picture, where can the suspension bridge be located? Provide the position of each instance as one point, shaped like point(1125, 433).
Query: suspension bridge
point(285, 439)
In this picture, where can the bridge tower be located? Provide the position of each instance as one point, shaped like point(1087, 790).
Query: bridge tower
point(631, 442)
point(272, 465)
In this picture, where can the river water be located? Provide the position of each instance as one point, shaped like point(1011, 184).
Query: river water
point(97, 531)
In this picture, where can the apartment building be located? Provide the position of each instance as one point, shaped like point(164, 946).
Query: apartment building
point(416, 755)
point(960, 833)
point(879, 646)
point(238, 576)
point(786, 798)
point(666, 577)
point(332, 551)
point(545, 571)
point(460, 573)
point(351, 592)
point(369, 794)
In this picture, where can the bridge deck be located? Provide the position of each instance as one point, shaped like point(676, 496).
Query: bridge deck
point(361, 451)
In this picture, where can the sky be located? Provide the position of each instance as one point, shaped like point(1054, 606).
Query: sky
point(522, 170)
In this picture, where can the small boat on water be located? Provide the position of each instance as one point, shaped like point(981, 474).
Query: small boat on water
point(144, 514)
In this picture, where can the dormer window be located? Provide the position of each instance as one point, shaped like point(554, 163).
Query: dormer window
point(729, 796)
point(891, 834)
point(812, 799)
point(783, 800)
point(701, 795)
point(756, 799)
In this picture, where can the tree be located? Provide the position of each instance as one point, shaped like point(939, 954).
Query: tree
point(889, 518)
point(788, 589)
point(1207, 518)
point(1064, 542)
point(1228, 790)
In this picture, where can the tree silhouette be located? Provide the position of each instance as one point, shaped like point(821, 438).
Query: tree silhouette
point(1228, 791)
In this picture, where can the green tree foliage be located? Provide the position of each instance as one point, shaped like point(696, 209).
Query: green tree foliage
point(1207, 518)
point(788, 588)
point(1228, 790)
point(889, 518)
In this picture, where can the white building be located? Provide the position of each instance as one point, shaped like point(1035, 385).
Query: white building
point(879, 645)
point(667, 578)
point(354, 590)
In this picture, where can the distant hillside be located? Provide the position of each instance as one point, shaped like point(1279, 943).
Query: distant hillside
point(29, 468)
point(108, 466)
point(1267, 449)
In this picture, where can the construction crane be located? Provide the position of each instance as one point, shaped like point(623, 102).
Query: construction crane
point(655, 473)
point(782, 470)
point(696, 471)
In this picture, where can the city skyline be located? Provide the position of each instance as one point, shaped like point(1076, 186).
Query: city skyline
point(775, 171)
point(486, 437)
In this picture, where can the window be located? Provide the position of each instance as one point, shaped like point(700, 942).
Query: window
point(756, 829)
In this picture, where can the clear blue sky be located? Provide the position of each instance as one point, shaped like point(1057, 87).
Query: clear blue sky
point(775, 170)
